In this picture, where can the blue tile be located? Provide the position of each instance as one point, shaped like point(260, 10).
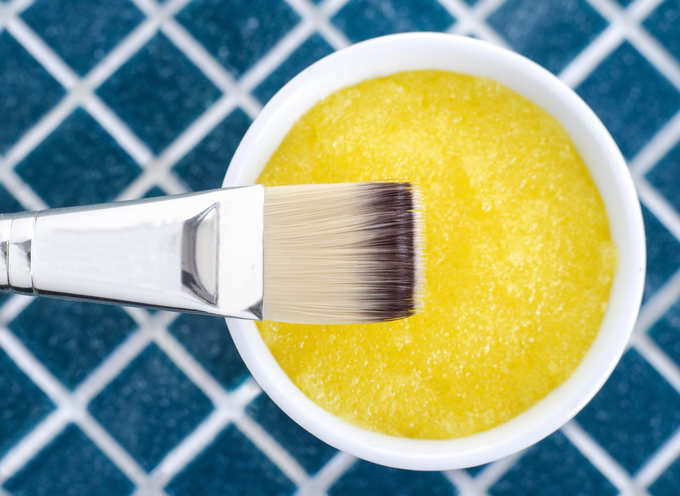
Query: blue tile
point(306, 54)
point(71, 338)
point(238, 32)
point(78, 163)
point(158, 93)
point(153, 192)
point(475, 471)
point(309, 451)
point(663, 253)
point(634, 414)
point(204, 166)
point(27, 90)
point(666, 332)
point(231, 465)
point(22, 403)
point(550, 32)
point(161, 406)
point(208, 340)
point(663, 23)
point(624, 3)
point(70, 465)
point(82, 32)
point(631, 97)
point(367, 478)
point(8, 204)
point(556, 467)
point(665, 176)
point(363, 19)
point(668, 483)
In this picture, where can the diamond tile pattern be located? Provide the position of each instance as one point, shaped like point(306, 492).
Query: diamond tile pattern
point(58, 469)
point(160, 404)
point(159, 92)
point(669, 482)
point(363, 19)
point(666, 332)
point(631, 97)
point(663, 24)
point(637, 407)
point(27, 90)
point(238, 32)
point(305, 55)
point(82, 32)
point(310, 452)
point(663, 253)
point(207, 339)
point(71, 338)
point(366, 478)
point(22, 403)
point(231, 465)
point(551, 32)
point(204, 166)
point(554, 466)
point(83, 159)
point(141, 375)
point(665, 176)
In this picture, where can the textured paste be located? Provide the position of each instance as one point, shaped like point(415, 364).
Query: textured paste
point(519, 258)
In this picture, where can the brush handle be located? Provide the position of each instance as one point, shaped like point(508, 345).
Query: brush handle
point(200, 252)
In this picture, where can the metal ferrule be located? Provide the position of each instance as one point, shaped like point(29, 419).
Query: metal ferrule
point(200, 252)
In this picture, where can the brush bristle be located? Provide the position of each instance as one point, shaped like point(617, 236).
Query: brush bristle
point(341, 253)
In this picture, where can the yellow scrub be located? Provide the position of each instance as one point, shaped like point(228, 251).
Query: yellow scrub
point(519, 258)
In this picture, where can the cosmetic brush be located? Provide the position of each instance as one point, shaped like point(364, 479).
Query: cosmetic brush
point(322, 254)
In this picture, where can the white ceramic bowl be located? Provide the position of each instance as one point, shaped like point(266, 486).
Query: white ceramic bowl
point(413, 51)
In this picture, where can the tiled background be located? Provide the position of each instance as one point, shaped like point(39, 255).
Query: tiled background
point(118, 99)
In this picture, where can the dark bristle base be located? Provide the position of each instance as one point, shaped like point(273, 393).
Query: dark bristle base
point(393, 243)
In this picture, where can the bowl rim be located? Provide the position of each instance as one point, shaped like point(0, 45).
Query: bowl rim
point(381, 56)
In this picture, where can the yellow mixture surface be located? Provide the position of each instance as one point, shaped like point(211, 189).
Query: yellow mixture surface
point(519, 258)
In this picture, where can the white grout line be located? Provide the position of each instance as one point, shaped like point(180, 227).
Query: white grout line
point(327, 475)
point(663, 364)
point(278, 54)
point(172, 184)
point(659, 461)
point(628, 21)
point(111, 448)
point(472, 20)
point(20, 190)
point(191, 368)
point(67, 408)
point(212, 69)
point(657, 147)
point(35, 135)
point(464, 483)
point(190, 447)
point(658, 304)
point(658, 205)
point(42, 52)
point(80, 92)
point(110, 367)
point(491, 474)
point(598, 457)
point(655, 53)
point(13, 307)
point(120, 132)
point(12, 8)
point(279, 456)
point(587, 61)
point(326, 10)
point(157, 170)
point(48, 429)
